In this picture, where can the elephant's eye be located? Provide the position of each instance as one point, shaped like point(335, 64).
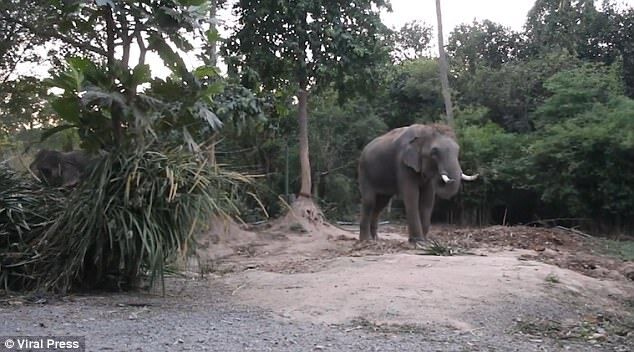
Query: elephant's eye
point(435, 151)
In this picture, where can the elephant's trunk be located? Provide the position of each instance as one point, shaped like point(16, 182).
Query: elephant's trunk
point(448, 184)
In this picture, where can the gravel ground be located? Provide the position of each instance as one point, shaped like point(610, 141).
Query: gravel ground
point(200, 316)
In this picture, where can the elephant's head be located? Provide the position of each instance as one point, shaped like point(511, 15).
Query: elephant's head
point(59, 169)
point(47, 166)
point(432, 151)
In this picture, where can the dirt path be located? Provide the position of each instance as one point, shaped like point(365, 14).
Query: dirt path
point(318, 289)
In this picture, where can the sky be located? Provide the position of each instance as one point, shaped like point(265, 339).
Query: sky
point(510, 13)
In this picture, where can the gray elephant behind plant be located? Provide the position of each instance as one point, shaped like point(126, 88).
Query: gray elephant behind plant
point(57, 168)
point(417, 163)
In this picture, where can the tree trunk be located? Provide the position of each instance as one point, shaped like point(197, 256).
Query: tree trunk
point(212, 61)
point(315, 185)
point(213, 51)
point(442, 59)
point(117, 113)
point(302, 97)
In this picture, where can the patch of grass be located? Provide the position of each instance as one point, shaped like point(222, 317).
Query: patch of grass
point(363, 323)
point(538, 327)
point(596, 327)
point(438, 249)
point(621, 249)
point(552, 278)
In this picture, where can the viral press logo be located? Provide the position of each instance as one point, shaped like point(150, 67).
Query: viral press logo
point(9, 344)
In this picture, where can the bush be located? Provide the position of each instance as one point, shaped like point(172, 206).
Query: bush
point(584, 165)
point(26, 211)
point(500, 158)
point(133, 213)
point(340, 197)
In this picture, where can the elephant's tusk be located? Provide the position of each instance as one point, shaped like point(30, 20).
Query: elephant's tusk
point(469, 178)
point(446, 178)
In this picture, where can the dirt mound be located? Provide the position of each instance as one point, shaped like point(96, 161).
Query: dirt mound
point(501, 276)
point(519, 237)
point(564, 248)
point(303, 216)
point(412, 289)
point(296, 244)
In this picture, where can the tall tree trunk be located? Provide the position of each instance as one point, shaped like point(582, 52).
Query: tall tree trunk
point(442, 59)
point(302, 97)
point(117, 113)
point(212, 61)
point(213, 51)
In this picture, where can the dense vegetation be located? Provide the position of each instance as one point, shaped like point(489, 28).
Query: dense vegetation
point(545, 115)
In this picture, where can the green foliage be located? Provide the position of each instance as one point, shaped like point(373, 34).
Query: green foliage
point(135, 212)
point(500, 158)
point(26, 212)
point(513, 91)
point(172, 108)
point(573, 25)
point(413, 94)
point(296, 43)
point(618, 32)
point(411, 41)
point(583, 165)
point(337, 135)
point(23, 105)
point(485, 44)
point(576, 91)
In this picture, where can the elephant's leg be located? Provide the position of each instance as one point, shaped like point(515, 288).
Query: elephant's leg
point(380, 203)
point(426, 207)
point(367, 208)
point(411, 201)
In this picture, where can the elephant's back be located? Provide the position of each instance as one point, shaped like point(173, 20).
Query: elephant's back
point(384, 142)
point(377, 164)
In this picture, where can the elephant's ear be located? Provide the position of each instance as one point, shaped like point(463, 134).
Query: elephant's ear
point(411, 156)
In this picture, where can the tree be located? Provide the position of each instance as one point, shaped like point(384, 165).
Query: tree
point(442, 58)
point(412, 94)
point(23, 106)
point(299, 46)
point(619, 31)
point(101, 98)
point(339, 133)
point(572, 25)
point(482, 44)
point(25, 26)
point(411, 41)
point(576, 91)
point(512, 92)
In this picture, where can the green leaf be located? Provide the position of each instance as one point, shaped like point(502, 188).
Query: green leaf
point(213, 35)
point(80, 64)
point(141, 74)
point(213, 89)
point(67, 108)
point(171, 59)
point(206, 71)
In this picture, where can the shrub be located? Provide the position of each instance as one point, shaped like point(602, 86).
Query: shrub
point(133, 213)
point(26, 211)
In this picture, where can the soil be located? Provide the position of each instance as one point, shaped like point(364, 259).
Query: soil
point(302, 284)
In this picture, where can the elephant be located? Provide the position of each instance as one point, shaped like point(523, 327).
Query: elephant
point(416, 163)
point(57, 168)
